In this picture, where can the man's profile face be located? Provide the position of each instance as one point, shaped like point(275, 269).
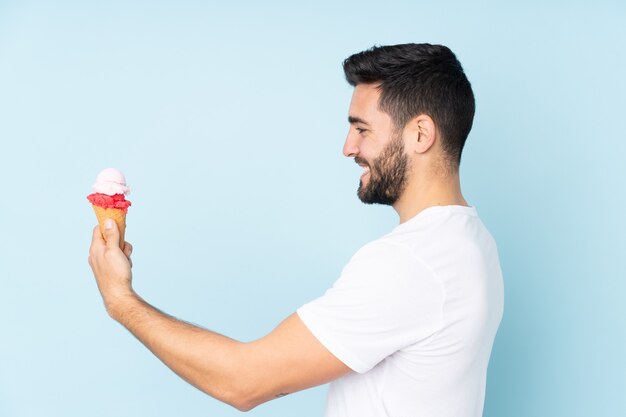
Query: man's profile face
point(377, 147)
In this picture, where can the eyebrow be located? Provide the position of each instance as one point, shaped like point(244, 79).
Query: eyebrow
point(352, 120)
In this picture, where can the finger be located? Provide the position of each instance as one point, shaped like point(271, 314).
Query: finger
point(128, 249)
point(97, 241)
point(111, 234)
point(97, 235)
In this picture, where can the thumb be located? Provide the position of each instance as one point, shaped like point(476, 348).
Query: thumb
point(111, 234)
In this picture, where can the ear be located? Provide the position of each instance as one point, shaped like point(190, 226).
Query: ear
point(421, 132)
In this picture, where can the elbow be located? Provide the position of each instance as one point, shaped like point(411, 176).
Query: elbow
point(239, 402)
point(241, 385)
point(250, 397)
point(244, 406)
point(242, 399)
point(233, 395)
point(242, 403)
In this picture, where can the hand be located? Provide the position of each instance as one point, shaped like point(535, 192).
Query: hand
point(111, 266)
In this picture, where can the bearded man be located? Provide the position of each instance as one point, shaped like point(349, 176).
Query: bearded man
point(408, 328)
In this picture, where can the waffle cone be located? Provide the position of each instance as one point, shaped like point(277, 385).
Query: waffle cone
point(117, 215)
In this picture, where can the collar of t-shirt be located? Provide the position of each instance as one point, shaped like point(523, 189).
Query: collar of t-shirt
point(435, 210)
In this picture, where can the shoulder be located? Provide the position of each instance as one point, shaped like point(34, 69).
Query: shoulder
point(387, 252)
point(388, 264)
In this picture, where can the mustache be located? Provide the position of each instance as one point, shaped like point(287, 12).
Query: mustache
point(359, 160)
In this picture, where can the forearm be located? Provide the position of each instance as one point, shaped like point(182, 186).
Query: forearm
point(243, 375)
point(211, 362)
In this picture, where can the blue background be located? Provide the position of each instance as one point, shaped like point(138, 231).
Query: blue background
point(228, 121)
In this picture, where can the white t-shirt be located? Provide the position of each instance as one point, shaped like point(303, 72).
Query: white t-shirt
point(414, 315)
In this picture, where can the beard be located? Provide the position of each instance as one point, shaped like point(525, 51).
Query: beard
point(389, 174)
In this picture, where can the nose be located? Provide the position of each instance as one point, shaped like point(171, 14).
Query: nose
point(351, 146)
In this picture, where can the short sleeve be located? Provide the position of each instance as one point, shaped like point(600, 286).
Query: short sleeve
point(385, 299)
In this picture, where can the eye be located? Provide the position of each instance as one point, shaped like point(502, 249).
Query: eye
point(360, 130)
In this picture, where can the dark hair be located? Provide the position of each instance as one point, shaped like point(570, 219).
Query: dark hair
point(419, 79)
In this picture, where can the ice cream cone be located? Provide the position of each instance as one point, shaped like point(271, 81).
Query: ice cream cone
point(109, 200)
point(117, 215)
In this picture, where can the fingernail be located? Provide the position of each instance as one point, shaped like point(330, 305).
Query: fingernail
point(108, 224)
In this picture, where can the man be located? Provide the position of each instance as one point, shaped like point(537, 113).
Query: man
point(407, 329)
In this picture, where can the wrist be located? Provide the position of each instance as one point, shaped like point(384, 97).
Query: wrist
point(118, 306)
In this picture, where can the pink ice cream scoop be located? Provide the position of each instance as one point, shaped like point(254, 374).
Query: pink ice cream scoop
point(110, 181)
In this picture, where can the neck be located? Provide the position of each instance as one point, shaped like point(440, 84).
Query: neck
point(429, 192)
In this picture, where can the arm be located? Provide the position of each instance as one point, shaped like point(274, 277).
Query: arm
point(243, 375)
